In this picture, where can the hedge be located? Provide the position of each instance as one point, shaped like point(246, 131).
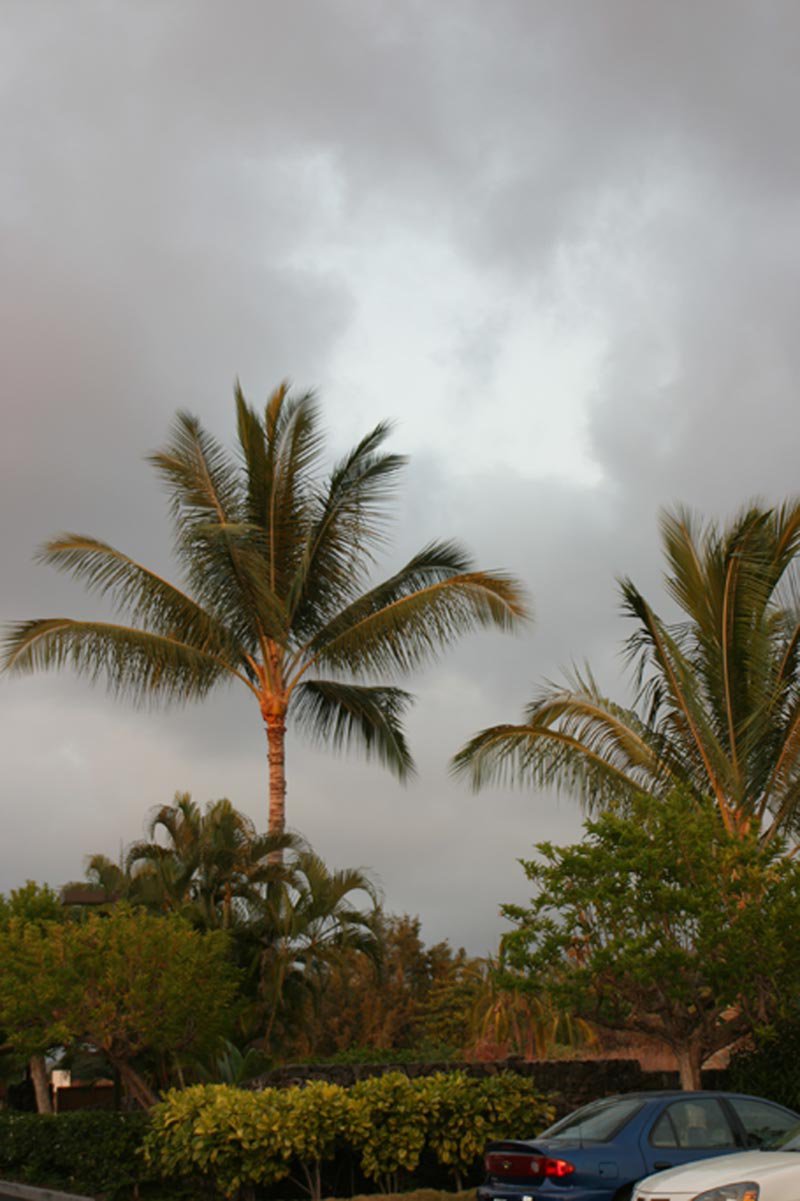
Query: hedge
point(237, 1140)
point(85, 1152)
point(211, 1140)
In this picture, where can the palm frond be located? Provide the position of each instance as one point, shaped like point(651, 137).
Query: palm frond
point(341, 714)
point(569, 740)
point(148, 599)
point(412, 616)
point(347, 519)
point(135, 663)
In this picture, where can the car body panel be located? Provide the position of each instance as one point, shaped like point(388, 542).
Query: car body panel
point(777, 1173)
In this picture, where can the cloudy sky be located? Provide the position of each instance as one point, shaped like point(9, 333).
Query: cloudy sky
point(557, 241)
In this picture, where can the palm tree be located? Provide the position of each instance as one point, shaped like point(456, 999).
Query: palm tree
point(276, 560)
point(717, 704)
point(305, 926)
point(209, 865)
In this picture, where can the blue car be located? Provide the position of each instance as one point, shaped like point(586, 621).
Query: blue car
point(600, 1151)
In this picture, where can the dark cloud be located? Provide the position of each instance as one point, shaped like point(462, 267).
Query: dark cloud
point(558, 242)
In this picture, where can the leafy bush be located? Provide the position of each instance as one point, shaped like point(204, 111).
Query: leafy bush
point(234, 1139)
point(462, 1114)
point(387, 1126)
point(318, 1121)
point(225, 1135)
point(87, 1152)
point(769, 1068)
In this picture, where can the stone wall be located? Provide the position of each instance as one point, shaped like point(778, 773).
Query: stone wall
point(570, 1082)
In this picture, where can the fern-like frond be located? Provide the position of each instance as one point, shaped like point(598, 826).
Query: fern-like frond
point(149, 600)
point(413, 615)
point(135, 663)
point(341, 714)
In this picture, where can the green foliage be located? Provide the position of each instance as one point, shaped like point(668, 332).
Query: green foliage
point(386, 1127)
point(661, 922)
point(210, 866)
point(768, 1068)
point(514, 1104)
point(463, 1113)
point(318, 1118)
point(228, 1136)
point(235, 1138)
point(127, 982)
point(88, 1152)
point(31, 903)
point(716, 709)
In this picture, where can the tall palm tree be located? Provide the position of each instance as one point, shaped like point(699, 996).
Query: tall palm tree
point(717, 704)
point(276, 559)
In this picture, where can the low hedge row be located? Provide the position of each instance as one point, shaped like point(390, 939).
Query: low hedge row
point(84, 1152)
point(212, 1140)
point(237, 1139)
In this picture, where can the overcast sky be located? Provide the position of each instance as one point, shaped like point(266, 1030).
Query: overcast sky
point(557, 241)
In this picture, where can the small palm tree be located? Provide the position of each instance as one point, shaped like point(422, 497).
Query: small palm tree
point(717, 705)
point(209, 865)
point(277, 559)
point(304, 927)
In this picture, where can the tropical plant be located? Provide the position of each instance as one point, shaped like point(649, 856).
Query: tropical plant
point(717, 704)
point(209, 865)
point(301, 930)
point(277, 562)
point(506, 1021)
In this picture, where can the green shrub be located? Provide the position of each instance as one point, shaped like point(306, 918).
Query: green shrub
point(225, 1135)
point(86, 1152)
point(387, 1126)
point(770, 1068)
point(233, 1139)
point(514, 1106)
point(463, 1113)
point(318, 1121)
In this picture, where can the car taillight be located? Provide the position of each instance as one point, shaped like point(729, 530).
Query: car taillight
point(512, 1163)
point(556, 1167)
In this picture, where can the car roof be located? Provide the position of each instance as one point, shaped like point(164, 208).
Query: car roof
point(650, 1094)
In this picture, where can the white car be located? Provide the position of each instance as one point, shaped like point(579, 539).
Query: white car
point(768, 1175)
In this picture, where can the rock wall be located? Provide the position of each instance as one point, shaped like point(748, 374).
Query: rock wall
point(570, 1082)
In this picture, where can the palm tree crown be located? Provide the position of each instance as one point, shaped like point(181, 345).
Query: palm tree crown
point(717, 708)
point(276, 557)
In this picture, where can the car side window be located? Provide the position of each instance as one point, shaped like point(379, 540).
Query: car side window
point(663, 1133)
point(696, 1123)
point(761, 1120)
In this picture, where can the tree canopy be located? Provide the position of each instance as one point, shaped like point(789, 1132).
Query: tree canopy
point(716, 709)
point(663, 923)
point(127, 982)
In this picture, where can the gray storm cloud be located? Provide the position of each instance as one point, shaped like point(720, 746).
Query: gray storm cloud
point(557, 241)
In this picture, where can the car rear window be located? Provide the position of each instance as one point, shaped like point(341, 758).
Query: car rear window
point(595, 1123)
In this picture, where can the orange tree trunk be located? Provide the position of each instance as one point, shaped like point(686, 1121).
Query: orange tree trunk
point(276, 743)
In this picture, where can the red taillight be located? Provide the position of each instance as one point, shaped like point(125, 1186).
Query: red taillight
point(556, 1167)
point(513, 1163)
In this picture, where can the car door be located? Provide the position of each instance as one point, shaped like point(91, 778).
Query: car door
point(688, 1129)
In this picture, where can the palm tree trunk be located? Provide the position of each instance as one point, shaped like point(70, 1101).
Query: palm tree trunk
point(41, 1087)
point(276, 743)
